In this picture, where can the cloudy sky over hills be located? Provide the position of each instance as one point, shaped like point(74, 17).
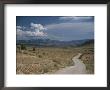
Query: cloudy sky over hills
point(55, 27)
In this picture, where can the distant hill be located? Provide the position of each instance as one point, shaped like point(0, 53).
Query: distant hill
point(54, 43)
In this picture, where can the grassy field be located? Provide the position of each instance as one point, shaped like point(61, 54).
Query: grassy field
point(50, 59)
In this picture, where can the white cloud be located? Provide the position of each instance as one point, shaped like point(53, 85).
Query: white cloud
point(30, 33)
point(75, 18)
point(40, 33)
point(37, 26)
point(18, 27)
point(21, 27)
point(26, 34)
point(19, 32)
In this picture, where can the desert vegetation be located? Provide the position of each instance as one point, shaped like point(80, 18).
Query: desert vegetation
point(43, 60)
point(47, 60)
point(88, 58)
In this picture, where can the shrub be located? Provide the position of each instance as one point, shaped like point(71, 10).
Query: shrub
point(43, 53)
point(34, 48)
point(23, 47)
point(40, 56)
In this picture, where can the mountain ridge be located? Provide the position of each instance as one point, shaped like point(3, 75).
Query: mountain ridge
point(49, 42)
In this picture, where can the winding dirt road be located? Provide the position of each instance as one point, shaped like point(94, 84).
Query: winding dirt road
point(78, 68)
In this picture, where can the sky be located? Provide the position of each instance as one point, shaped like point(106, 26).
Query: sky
point(63, 28)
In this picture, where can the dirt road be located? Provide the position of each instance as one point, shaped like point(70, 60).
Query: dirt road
point(78, 68)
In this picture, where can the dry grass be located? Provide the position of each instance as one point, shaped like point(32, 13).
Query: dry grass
point(88, 58)
point(43, 60)
point(51, 59)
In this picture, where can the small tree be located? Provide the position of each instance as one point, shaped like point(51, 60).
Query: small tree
point(23, 47)
point(34, 48)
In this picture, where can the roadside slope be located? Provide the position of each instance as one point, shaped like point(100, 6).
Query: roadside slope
point(78, 68)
